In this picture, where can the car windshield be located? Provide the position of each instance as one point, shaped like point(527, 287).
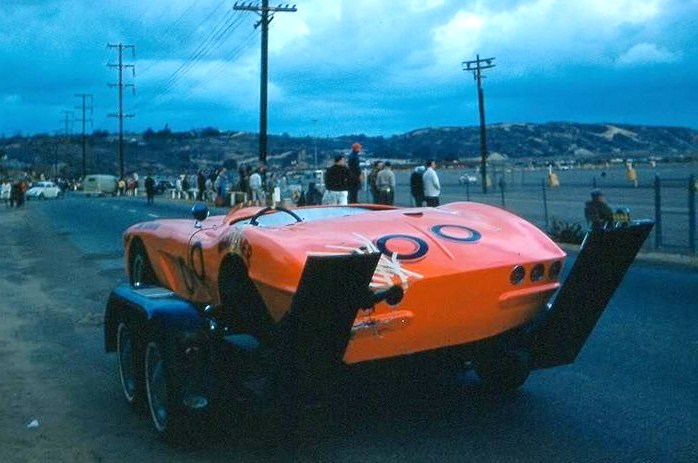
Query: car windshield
point(280, 218)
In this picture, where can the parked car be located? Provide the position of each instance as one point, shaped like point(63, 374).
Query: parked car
point(163, 186)
point(467, 179)
point(270, 305)
point(43, 190)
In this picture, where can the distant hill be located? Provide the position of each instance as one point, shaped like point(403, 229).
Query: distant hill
point(165, 151)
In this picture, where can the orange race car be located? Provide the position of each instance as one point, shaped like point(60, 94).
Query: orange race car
point(294, 296)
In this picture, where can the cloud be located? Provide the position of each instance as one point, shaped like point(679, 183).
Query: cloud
point(355, 65)
point(646, 53)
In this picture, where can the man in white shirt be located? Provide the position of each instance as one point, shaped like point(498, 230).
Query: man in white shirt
point(432, 187)
point(258, 198)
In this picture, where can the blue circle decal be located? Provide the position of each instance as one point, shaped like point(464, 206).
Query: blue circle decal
point(439, 230)
point(421, 246)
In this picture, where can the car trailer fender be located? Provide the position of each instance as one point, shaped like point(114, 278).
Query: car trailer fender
point(558, 336)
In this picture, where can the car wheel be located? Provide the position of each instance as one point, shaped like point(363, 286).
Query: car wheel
point(130, 365)
point(504, 371)
point(141, 272)
point(41, 196)
point(168, 415)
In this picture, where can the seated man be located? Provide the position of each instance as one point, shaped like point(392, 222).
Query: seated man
point(597, 213)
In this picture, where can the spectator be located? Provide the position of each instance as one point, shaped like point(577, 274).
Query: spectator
point(178, 188)
point(417, 186)
point(385, 183)
point(258, 197)
point(355, 174)
point(150, 189)
point(377, 166)
point(121, 187)
point(597, 213)
point(210, 194)
point(432, 187)
point(185, 186)
point(221, 185)
point(337, 182)
point(313, 197)
point(200, 185)
point(5, 192)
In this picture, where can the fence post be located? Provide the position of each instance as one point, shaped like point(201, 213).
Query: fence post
point(657, 212)
point(545, 204)
point(467, 190)
point(501, 189)
point(692, 213)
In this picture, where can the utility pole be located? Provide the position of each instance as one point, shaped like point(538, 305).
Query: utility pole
point(266, 14)
point(476, 66)
point(67, 120)
point(120, 66)
point(315, 139)
point(85, 107)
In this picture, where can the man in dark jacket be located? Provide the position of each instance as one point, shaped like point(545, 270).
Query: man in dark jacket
point(200, 185)
point(597, 213)
point(150, 189)
point(355, 175)
point(337, 182)
point(417, 185)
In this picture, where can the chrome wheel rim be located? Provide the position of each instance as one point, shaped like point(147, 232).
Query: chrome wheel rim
point(156, 386)
point(124, 348)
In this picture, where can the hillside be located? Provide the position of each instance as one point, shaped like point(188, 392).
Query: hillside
point(165, 151)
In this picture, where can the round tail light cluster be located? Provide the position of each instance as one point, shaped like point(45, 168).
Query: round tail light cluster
point(517, 275)
point(538, 272)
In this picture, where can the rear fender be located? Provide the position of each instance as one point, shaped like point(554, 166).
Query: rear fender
point(149, 308)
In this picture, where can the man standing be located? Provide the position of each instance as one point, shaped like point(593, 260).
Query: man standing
point(385, 183)
point(432, 187)
point(150, 189)
point(200, 185)
point(256, 189)
point(377, 166)
point(417, 186)
point(337, 182)
point(355, 175)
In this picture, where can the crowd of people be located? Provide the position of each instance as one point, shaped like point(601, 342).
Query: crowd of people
point(343, 181)
point(13, 192)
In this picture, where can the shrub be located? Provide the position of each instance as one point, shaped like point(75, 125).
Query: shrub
point(566, 232)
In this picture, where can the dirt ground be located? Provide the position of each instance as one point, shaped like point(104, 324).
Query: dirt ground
point(45, 321)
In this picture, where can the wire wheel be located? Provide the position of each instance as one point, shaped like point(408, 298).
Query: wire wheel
point(156, 386)
point(126, 362)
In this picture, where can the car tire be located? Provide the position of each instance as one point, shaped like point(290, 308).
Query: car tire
point(130, 365)
point(504, 371)
point(141, 272)
point(171, 420)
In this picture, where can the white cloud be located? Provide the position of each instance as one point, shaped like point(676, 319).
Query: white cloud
point(646, 53)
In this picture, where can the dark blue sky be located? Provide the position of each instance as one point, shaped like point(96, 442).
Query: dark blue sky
point(359, 66)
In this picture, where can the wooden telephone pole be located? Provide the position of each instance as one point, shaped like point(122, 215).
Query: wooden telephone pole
point(476, 66)
point(266, 14)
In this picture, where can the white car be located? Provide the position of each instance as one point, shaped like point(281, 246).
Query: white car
point(467, 179)
point(43, 190)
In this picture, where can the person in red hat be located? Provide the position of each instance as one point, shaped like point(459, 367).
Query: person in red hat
point(355, 174)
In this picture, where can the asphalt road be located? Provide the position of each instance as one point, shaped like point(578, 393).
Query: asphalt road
point(632, 395)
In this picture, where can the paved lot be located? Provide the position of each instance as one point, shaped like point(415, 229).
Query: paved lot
point(631, 396)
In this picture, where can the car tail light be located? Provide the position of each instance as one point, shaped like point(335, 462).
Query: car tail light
point(538, 272)
point(555, 268)
point(517, 275)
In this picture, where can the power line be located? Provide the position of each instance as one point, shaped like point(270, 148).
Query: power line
point(85, 107)
point(120, 66)
point(266, 14)
point(476, 66)
point(218, 33)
